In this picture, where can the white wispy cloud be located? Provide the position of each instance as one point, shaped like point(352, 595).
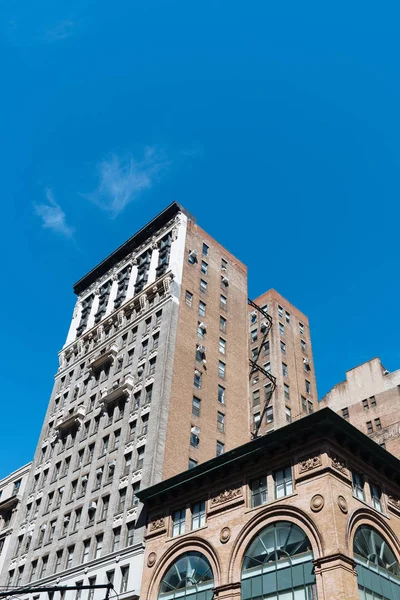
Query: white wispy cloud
point(53, 216)
point(123, 180)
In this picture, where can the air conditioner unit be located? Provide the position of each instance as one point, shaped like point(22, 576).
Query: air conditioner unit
point(67, 519)
point(92, 506)
point(112, 464)
point(43, 527)
point(99, 471)
point(193, 254)
point(253, 313)
point(306, 361)
point(201, 348)
point(195, 430)
point(29, 534)
point(140, 369)
point(203, 326)
point(263, 326)
point(85, 478)
point(386, 372)
point(225, 280)
point(197, 372)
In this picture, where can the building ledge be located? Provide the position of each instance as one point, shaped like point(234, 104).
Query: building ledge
point(102, 359)
point(71, 419)
point(119, 390)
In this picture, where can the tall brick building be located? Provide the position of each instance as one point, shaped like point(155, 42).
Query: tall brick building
point(369, 399)
point(153, 381)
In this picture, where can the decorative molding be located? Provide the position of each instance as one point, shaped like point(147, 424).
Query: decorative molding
point(339, 464)
point(317, 502)
point(225, 535)
point(157, 524)
point(309, 463)
point(342, 503)
point(151, 559)
point(226, 496)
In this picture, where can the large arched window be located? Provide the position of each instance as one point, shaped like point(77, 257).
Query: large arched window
point(377, 568)
point(189, 577)
point(278, 565)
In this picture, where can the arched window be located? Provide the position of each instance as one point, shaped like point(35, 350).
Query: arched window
point(377, 568)
point(189, 577)
point(278, 565)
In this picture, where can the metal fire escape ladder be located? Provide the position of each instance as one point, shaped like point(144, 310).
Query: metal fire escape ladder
point(255, 367)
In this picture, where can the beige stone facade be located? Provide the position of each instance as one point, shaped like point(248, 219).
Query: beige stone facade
point(339, 484)
point(369, 399)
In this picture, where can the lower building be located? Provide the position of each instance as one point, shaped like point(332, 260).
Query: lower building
point(11, 490)
point(369, 399)
point(309, 512)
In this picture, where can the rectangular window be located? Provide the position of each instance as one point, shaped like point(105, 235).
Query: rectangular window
point(256, 420)
point(188, 298)
point(117, 438)
point(203, 286)
point(124, 579)
point(196, 406)
point(99, 545)
point(221, 369)
point(223, 302)
point(221, 394)
point(256, 397)
point(128, 461)
point(86, 550)
point(345, 413)
point(283, 347)
point(197, 380)
point(220, 448)
point(258, 492)
point(202, 309)
point(287, 316)
point(205, 250)
point(270, 414)
point(178, 522)
point(308, 386)
point(192, 463)
point(365, 404)
point(70, 556)
point(283, 482)
point(222, 346)
point(280, 310)
point(288, 414)
point(284, 370)
point(204, 267)
point(266, 347)
point(286, 391)
point(268, 391)
point(105, 444)
point(152, 366)
point(222, 324)
point(303, 403)
point(130, 533)
point(77, 520)
point(310, 407)
point(104, 507)
point(224, 264)
point(303, 346)
point(369, 427)
point(58, 561)
point(281, 329)
point(91, 581)
point(116, 539)
point(267, 367)
point(376, 497)
point(121, 500)
point(373, 401)
point(378, 425)
point(358, 486)
point(140, 457)
point(301, 328)
point(254, 335)
point(221, 421)
point(43, 567)
point(198, 515)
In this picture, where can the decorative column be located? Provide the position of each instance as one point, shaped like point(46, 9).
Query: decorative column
point(228, 591)
point(336, 577)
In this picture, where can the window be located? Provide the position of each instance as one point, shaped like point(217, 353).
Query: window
point(224, 264)
point(303, 346)
point(197, 380)
point(283, 482)
point(58, 561)
point(254, 335)
point(266, 347)
point(86, 550)
point(308, 386)
point(223, 302)
point(104, 507)
point(268, 391)
point(191, 571)
point(373, 401)
point(369, 427)
point(135, 489)
point(221, 421)
point(365, 404)
point(72, 491)
point(105, 444)
point(287, 316)
point(152, 366)
point(99, 545)
point(201, 330)
point(254, 353)
point(286, 391)
point(203, 286)
point(256, 420)
point(221, 394)
point(376, 497)
point(78, 516)
point(65, 524)
point(280, 311)
point(43, 566)
point(284, 370)
point(258, 492)
point(204, 267)
point(281, 329)
point(202, 309)
point(188, 298)
point(358, 486)
point(310, 406)
point(78, 594)
point(222, 346)
point(301, 328)
point(345, 413)
point(220, 448)
point(130, 357)
point(288, 414)
point(221, 369)
point(121, 500)
point(91, 581)
point(117, 438)
point(283, 347)
point(194, 437)
point(140, 457)
point(20, 573)
point(198, 515)
point(192, 463)
point(256, 397)
point(132, 430)
point(128, 462)
point(124, 579)
point(196, 406)
point(304, 403)
point(205, 250)
point(145, 424)
point(116, 538)
point(130, 527)
point(70, 556)
point(378, 425)
point(222, 324)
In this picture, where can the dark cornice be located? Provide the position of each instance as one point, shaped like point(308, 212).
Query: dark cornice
point(130, 245)
point(322, 424)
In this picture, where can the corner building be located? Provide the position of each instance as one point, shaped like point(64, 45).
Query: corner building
point(150, 384)
point(309, 512)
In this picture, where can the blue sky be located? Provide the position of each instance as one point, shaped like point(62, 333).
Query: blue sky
point(276, 124)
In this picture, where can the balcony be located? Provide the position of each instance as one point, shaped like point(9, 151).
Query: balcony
point(70, 420)
point(118, 390)
point(101, 360)
point(8, 504)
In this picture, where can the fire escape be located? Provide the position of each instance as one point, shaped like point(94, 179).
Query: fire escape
point(265, 326)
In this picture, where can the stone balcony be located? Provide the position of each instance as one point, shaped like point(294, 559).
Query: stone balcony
point(104, 358)
point(119, 390)
point(72, 419)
